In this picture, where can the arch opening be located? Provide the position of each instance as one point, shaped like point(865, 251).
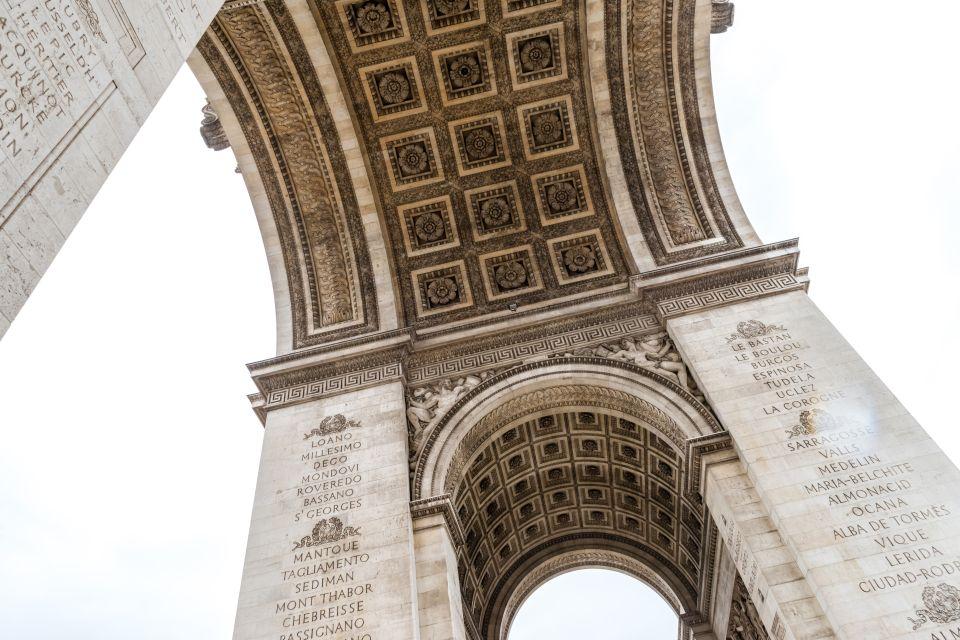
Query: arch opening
point(594, 602)
point(566, 488)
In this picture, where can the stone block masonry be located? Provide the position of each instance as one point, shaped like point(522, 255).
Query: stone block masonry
point(858, 491)
point(77, 80)
point(331, 548)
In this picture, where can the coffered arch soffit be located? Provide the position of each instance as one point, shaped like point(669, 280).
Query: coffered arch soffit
point(545, 388)
point(579, 467)
point(429, 162)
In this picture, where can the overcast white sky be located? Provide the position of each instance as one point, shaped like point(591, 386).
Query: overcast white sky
point(129, 453)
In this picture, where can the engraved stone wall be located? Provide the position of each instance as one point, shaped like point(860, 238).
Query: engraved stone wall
point(75, 84)
point(330, 552)
point(852, 482)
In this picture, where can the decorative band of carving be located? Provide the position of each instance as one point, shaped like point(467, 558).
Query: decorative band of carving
point(541, 346)
point(439, 504)
point(335, 385)
point(708, 563)
point(258, 56)
point(588, 540)
point(650, 59)
point(729, 294)
point(496, 418)
point(653, 351)
point(694, 451)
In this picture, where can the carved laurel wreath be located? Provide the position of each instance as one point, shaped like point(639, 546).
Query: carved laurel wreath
point(941, 605)
point(326, 532)
point(753, 329)
point(91, 18)
point(330, 425)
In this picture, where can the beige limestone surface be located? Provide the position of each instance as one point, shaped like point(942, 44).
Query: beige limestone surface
point(861, 496)
point(78, 81)
point(331, 547)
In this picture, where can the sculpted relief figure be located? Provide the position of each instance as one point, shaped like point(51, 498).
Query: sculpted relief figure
point(428, 404)
point(654, 352)
point(421, 408)
point(745, 623)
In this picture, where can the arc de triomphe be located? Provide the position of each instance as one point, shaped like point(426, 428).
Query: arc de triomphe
point(524, 324)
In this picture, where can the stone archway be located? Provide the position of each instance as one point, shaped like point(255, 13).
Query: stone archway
point(574, 561)
point(575, 463)
point(525, 196)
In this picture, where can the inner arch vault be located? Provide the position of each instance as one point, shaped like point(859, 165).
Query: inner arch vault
point(434, 164)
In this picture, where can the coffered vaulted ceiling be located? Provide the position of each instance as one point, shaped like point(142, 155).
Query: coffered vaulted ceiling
point(428, 163)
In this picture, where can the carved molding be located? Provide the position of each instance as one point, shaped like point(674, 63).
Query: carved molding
point(730, 294)
point(584, 560)
point(721, 17)
point(257, 55)
point(672, 185)
point(586, 540)
point(439, 505)
point(335, 384)
point(515, 349)
point(694, 451)
point(756, 273)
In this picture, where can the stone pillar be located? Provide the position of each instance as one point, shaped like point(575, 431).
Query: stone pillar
point(759, 585)
point(862, 498)
point(330, 553)
point(438, 584)
point(79, 79)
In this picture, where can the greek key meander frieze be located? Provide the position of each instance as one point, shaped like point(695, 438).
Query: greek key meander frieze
point(460, 364)
point(349, 381)
point(727, 295)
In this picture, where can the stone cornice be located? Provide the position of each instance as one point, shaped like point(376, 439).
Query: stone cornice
point(694, 452)
point(403, 355)
point(707, 283)
point(442, 505)
point(721, 18)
